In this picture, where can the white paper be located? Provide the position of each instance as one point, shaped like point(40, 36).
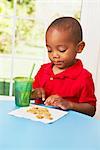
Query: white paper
point(22, 112)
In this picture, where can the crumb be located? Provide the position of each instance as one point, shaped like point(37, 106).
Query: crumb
point(39, 116)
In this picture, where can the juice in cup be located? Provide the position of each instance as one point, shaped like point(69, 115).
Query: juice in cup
point(23, 88)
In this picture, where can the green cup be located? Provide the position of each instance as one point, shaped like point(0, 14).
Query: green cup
point(23, 88)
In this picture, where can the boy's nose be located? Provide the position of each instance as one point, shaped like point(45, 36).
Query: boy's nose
point(55, 55)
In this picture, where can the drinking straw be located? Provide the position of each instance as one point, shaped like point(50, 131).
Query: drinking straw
point(31, 72)
point(28, 80)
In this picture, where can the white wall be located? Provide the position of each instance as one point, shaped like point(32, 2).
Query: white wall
point(90, 21)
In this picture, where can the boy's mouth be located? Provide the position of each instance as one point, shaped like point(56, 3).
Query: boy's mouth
point(57, 62)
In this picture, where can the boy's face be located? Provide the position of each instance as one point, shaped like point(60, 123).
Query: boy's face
point(61, 50)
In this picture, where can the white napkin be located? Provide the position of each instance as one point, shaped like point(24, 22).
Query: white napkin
point(22, 112)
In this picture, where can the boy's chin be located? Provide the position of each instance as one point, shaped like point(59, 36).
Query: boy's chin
point(60, 67)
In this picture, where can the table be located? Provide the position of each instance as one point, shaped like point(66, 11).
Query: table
point(75, 131)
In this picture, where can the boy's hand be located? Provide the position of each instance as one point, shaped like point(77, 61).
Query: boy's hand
point(38, 93)
point(56, 100)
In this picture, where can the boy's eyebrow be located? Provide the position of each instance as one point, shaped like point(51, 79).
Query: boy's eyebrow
point(56, 45)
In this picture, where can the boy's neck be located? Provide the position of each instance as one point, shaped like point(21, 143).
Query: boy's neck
point(57, 70)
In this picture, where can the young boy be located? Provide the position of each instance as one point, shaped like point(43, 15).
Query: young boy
point(64, 82)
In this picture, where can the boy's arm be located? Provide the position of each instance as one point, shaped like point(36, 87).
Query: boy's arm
point(84, 108)
point(56, 100)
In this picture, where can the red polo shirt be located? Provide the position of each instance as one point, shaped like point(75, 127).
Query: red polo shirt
point(73, 84)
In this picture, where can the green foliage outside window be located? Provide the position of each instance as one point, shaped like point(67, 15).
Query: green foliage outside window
point(24, 27)
point(29, 32)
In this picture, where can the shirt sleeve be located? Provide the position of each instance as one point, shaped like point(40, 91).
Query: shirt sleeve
point(40, 78)
point(37, 79)
point(87, 91)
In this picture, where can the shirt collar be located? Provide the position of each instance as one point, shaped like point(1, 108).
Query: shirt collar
point(71, 72)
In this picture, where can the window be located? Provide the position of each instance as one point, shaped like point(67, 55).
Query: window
point(22, 35)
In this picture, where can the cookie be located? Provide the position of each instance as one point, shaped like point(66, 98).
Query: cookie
point(40, 113)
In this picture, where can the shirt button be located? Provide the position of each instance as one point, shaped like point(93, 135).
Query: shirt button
point(51, 78)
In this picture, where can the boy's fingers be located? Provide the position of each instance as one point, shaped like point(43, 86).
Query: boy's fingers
point(38, 93)
point(43, 99)
point(52, 101)
point(43, 95)
point(49, 101)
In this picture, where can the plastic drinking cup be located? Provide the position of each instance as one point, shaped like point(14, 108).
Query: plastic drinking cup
point(23, 89)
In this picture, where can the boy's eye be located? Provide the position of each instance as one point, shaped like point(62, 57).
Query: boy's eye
point(49, 51)
point(62, 51)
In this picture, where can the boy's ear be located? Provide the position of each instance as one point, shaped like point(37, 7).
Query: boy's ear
point(80, 47)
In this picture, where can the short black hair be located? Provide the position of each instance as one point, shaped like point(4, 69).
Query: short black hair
point(68, 24)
